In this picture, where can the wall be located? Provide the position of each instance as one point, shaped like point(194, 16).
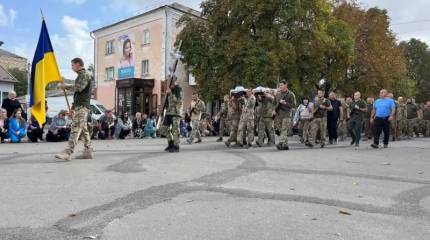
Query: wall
point(4, 90)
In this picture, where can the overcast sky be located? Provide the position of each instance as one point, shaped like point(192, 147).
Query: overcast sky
point(70, 21)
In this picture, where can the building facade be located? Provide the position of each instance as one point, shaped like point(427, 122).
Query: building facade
point(133, 58)
point(7, 83)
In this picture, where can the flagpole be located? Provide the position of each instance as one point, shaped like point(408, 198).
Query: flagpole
point(65, 94)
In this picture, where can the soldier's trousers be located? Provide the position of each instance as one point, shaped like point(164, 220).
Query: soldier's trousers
point(426, 128)
point(368, 130)
point(401, 128)
point(412, 125)
point(285, 129)
point(245, 126)
point(394, 130)
point(170, 129)
point(354, 128)
point(222, 127)
point(265, 125)
point(79, 130)
point(318, 124)
point(342, 129)
point(233, 130)
point(304, 127)
point(195, 130)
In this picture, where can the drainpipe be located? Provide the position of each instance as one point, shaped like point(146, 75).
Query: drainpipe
point(94, 64)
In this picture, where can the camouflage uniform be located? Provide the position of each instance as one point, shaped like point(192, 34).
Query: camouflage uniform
point(401, 120)
point(426, 119)
point(172, 118)
point(265, 123)
point(234, 110)
point(246, 123)
point(223, 120)
point(319, 122)
point(412, 118)
point(79, 127)
point(342, 124)
point(198, 107)
point(393, 124)
point(283, 112)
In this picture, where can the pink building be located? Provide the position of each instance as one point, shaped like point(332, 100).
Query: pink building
point(133, 57)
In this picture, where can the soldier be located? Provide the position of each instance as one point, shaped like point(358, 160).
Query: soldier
point(393, 126)
point(79, 113)
point(303, 117)
point(357, 109)
point(223, 118)
point(426, 119)
point(285, 101)
point(246, 123)
point(401, 118)
point(319, 122)
point(234, 112)
point(198, 107)
point(172, 118)
point(265, 123)
point(367, 125)
point(343, 120)
point(412, 113)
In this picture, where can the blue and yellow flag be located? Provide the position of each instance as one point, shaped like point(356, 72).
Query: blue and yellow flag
point(44, 70)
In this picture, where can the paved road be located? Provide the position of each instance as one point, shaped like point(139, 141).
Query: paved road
point(134, 191)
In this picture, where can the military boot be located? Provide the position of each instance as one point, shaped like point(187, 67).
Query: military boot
point(169, 146)
point(174, 148)
point(86, 154)
point(65, 156)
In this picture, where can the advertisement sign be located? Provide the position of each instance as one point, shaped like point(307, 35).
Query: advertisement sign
point(126, 63)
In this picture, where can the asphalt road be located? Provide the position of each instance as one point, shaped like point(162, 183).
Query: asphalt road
point(134, 190)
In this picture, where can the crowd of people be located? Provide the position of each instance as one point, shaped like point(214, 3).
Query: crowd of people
point(244, 115)
point(264, 112)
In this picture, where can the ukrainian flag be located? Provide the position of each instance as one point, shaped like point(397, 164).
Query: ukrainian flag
point(44, 70)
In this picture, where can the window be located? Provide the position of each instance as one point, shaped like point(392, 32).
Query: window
point(145, 68)
point(110, 73)
point(145, 38)
point(110, 49)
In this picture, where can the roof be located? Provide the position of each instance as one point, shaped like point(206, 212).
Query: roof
point(175, 6)
point(5, 76)
point(9, 54)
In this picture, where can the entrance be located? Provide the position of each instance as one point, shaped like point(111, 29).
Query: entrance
point(135, 95)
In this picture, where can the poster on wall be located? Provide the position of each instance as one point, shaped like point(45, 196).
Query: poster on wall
point(126, 63)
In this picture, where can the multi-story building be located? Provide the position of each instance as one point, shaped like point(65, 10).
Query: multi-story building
point(133, 58)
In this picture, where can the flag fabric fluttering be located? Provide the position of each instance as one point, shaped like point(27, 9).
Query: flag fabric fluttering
point(44, 70)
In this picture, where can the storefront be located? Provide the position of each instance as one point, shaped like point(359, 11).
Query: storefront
point(135, 95)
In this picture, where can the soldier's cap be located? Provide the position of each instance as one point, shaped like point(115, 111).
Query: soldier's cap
point(258, 89)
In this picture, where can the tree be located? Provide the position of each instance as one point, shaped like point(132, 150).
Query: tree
point(417, 55)
point(22, 77)
point(254, 42)
point(378, 60)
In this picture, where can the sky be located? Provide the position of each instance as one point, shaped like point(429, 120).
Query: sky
point(71, 21)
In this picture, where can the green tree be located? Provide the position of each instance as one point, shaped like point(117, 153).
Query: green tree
point(378, 61)
point(417, 54)
point(254, 42)
point(22, 77)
